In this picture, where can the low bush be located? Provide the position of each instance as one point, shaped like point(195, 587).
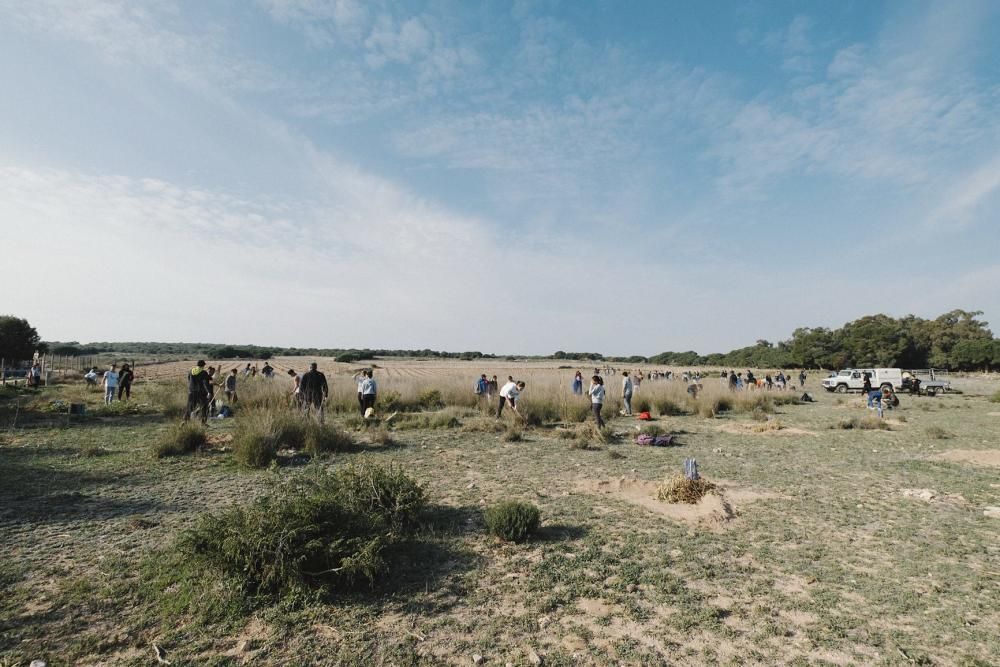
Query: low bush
point(324, 532)
point(667, 407)
point(169, 398)
point(180, 440)
point(867, 423)
point(381, 436)
point(512, 521)
point(767, 425)
point(324, 439)
point(254, 450)
point(642, 405)
point(652, 429)
point(995, 398)
point(538, 413)
point(430, 399)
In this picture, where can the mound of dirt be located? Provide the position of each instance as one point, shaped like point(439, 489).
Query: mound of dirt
point(979, 457)
point(755, 428)
point(714, 509)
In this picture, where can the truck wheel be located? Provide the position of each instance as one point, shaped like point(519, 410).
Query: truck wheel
point(931, 391)
point(886, 386)
point(841, 389)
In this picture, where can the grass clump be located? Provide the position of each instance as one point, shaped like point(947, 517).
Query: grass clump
point(512, 521)
point(430, 399)
point(680, 489)
point(513, 434)
point(995, 398)
point(381, 436)
point(766, 425)
point(324, 439)
point(325, 532)
point(180, 440)
point(667, 407)
point(866, 423)
point(937, 433)
point(652, 429)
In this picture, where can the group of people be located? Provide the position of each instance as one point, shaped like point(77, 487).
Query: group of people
point(114, 382)
point(201, 392)
point(739, 381)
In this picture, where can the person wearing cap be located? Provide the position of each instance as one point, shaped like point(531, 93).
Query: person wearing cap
point(314, 391)
point(199, 392)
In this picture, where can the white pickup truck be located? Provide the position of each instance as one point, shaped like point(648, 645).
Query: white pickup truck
point(853, 379)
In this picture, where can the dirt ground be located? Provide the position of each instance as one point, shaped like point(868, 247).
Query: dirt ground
point(822, 546)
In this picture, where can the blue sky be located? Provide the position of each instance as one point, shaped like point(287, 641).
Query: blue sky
point(619, 177)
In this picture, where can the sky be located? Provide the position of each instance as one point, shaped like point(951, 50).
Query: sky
point(509, 177)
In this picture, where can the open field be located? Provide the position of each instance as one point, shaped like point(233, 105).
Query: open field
point(824, 544)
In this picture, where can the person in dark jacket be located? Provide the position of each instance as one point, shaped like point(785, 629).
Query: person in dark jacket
point(125, 382)
point(199, 392)
point(314, 391)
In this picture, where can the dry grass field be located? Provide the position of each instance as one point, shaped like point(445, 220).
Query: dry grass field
point(831, 538)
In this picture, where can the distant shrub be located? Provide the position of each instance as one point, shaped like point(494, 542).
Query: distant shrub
point(995, 398)
point(180, 440)
point(323, 531)
point(867, 423)
point(512, 521)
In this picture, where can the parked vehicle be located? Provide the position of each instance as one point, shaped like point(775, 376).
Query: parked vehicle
point(853, 379)
point(924, 383)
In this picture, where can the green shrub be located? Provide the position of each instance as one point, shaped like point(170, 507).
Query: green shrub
point(324, 531)
point(512, 521)
point(183, 439)
point(254, 450)
point(322, 439)
point(642, 405)
point(995, 398)
point(538, 413)
point(430, 399)
point(574, 412)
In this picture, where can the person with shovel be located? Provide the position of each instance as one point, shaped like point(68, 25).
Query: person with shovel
point(509, 394)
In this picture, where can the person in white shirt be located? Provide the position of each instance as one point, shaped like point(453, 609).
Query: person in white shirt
point(360, 378)
point(369, 390)
point(91, 377)
point(110, 384)
point(509, 393)
point(596, 393)
point(627, 393)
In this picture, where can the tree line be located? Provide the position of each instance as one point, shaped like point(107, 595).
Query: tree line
point(956, 340)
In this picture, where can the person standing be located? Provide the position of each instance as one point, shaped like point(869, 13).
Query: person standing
point(314, 390)
point(802, 379)
point(369, 392)
point(509, 394)
point(596, 393)
point(296, 383)
point(231, 396)
point(578, 383)
point(199, 392)
point(359, 378)
point(125, 382)
point(627, 393)
point(482, 390)
point(494, 388)
point(867, 386)
point(110, 385)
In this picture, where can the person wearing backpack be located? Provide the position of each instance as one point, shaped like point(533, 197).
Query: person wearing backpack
point(482, 389)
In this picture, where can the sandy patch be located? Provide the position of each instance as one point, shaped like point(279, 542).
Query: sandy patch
point(980, 457)
point(993, 414)
point(596, 607)
point(714, 509)
point(932, 496)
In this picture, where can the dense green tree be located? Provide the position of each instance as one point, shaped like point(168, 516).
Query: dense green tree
point(18, 339)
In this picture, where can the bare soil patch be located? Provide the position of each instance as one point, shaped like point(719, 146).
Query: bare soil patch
point(753, 428)
point(932, 496)
point(714, 509)
point(980, 457)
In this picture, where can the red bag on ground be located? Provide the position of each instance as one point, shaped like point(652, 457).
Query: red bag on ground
point(644, 416)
